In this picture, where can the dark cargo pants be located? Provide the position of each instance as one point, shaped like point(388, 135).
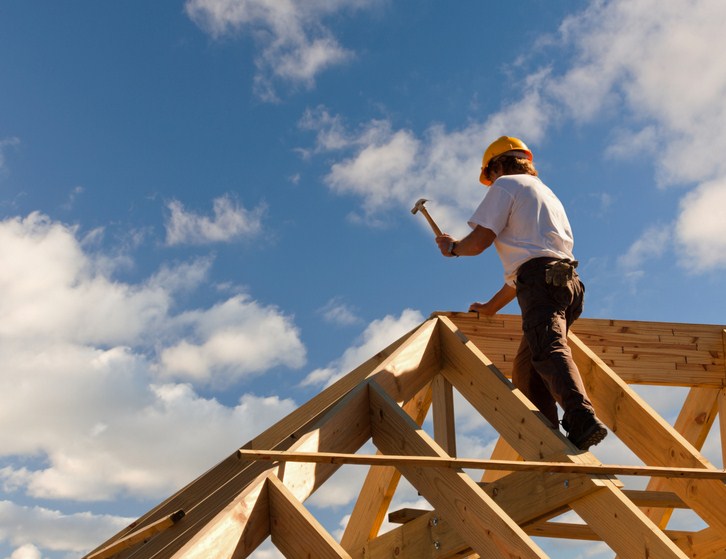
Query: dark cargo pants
point(543, 367)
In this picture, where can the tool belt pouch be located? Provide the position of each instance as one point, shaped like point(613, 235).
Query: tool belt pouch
point(560, 273)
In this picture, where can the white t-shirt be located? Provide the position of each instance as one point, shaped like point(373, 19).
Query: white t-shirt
point(528, 220)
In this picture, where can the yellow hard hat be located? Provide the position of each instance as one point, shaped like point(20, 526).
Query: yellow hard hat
point(498, 147)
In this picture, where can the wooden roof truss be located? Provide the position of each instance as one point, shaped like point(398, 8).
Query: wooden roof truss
point(230, 510)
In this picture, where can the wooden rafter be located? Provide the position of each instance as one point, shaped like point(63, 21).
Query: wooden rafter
point(694, 423)
point(294, 530)
point(237, 504)
point(648, 435)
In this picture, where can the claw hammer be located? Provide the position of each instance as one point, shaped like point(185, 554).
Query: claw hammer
point(419, 207)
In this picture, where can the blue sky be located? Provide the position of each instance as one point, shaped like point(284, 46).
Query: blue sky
point(204, 213)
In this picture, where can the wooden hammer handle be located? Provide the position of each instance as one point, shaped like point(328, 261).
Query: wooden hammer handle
point(431, 222)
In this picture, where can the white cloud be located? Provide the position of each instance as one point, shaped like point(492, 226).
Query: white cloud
point(88, 350)
point(27, 551)
point(701, 227)
point(653, 243)
point(53, 290)
point(657, 62)
point(53, 530)
point(336, 311)
point(233, 339)
point(341, 489)
point(633, 144)
point(295, 44)
point(379, 334)
point(230, 222)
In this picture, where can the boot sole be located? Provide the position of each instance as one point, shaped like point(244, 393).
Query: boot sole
point(593, 436)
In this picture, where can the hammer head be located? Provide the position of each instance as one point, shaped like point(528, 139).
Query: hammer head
point(418, 205)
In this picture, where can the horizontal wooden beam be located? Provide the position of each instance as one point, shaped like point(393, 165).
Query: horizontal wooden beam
point(640, 498)
point(570, 531)
point(478, 464)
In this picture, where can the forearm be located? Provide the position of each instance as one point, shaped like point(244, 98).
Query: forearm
point(468, 247)
point(474, 243)
point(500, 300)
point(502, 297)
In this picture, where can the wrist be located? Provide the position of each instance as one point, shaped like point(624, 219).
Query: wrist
point(452, 248)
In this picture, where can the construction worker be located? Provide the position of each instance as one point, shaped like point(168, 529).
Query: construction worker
point(531, 233)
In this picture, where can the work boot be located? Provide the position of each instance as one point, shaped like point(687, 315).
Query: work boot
point(584, 429)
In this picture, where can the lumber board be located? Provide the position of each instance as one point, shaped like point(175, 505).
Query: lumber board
point(474, 515)
point(443, 412)
point(653, 498)
point(379, 486)
point(345, 429)
point(512, 415)
point(564, 530)
point(572, 531)
point(447, 462)
point(618, 522)
point(678, 377)
point(405, 515)
point(669, 354)
point(650, 437)
point(294, 531)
